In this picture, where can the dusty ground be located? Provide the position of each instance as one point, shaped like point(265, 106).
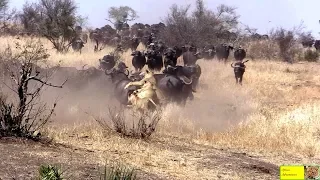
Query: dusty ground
point(227, 132)
point(21, 159)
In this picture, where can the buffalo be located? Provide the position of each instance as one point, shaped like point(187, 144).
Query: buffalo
point(120, 79)
point(239, 69)
point(223, 51)
point(192, 72)
point(107, 62)
point(77, 44)
point(122, 66)
point(178, 50)
point(138, 60)
point(209, 52)
point(160, 46)
point(317, 45)
point(170, 57)
point(240, 54)
point(134, 43)
point(174, 88)
point(190, 57)
point(154, 60)
point(189, 47)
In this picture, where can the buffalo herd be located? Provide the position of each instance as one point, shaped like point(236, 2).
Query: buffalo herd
point(174, 83)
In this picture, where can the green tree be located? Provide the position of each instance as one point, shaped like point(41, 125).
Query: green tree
point(54, 19)
point(121, 15)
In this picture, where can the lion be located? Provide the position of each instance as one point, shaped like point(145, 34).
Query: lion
point(140, 98)
point(147, 77)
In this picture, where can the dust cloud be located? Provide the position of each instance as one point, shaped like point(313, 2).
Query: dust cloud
point(214, 108)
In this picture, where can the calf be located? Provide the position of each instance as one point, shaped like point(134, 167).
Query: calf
point(239, 69)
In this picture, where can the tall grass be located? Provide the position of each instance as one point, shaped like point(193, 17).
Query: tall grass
point(276, 109)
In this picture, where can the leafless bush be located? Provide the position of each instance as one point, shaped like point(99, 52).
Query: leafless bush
point(143, 124)
point(25, 115)
point(201, 27)
point(263, 49)
point(287, 42)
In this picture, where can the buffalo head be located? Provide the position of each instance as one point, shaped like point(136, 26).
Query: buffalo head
point(107, 62)
point(169, 52)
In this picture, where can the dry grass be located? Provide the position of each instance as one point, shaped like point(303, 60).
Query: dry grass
point(277, 110)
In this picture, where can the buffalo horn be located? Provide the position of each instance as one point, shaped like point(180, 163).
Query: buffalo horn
point(185, 80)
point(127, 72)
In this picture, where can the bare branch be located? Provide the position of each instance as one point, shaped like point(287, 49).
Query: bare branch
point(48, 84)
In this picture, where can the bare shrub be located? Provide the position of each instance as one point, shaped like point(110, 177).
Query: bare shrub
point(143, 124)
point(263, 49)
point(285, 40)
point(311, 56)
point(202, 26)
point(25, 115)
point(288, 43)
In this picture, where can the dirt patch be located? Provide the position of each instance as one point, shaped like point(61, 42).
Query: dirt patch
point(21, 159)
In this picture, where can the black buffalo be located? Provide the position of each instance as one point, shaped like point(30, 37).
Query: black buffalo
point(239, 69)
point(223, 51)
point(134, 43)
point(122, 66)
point(160, 46)
point(107, 62)
point(170, 57)
point(189, 47)
point(190, 57)
point(154, 60)
point(173, 88)
point(77, 44)
point(209, 52)
point(192, 72)
point(240, 54)
point(178, 50)
point(138, 60)
point(120, 79)
point(317, 45)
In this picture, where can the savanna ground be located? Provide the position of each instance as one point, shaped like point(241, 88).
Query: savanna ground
point(226, 132)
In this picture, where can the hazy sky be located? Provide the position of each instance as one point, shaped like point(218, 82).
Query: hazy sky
point(255, 13)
